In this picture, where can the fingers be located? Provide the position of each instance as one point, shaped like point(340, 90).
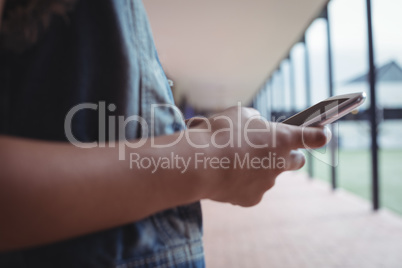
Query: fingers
point(250, 112)
point(296, 160)
point(306, 137)
point(194, 121)
point(328, 133)
point(242, 111)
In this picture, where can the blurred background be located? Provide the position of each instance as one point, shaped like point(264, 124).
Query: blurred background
point(280, 57)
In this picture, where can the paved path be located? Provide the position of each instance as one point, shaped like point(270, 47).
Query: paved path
point(301, 223)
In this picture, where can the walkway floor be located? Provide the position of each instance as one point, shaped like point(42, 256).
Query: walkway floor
point(301, 223)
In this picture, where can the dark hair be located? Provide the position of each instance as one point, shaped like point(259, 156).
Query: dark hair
point(25, 20)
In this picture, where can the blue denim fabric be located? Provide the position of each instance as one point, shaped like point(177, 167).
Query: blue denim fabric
point(105, 52)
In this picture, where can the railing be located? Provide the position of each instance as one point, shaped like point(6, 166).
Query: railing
point(270, 99)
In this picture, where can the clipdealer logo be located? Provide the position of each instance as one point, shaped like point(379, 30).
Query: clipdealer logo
point(112, 131)
point(148, 130)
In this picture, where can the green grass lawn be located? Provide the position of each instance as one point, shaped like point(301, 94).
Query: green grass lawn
point(354, 175)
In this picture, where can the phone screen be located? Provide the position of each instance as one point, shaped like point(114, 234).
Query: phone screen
point(314, 111)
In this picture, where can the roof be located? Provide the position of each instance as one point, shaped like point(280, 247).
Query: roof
point(390, 72)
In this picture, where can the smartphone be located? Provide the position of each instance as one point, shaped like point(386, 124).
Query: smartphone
point(327, 111)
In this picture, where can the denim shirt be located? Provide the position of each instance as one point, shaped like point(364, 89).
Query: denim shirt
point(104, 52)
